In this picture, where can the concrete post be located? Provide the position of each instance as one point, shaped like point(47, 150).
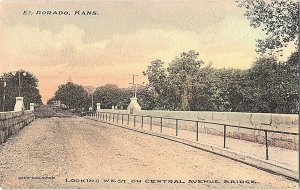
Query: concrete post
point(19, 106)
point(98, 106)
point(31, 106)
point(133, 107)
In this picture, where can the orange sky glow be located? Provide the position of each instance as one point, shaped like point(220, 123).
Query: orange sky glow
point(122, 39)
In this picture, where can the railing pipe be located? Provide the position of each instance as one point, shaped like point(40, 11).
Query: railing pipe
point(161, 124)
point(224, 143)
point(127, 119)
point(176, 127)
point(197, 131)
point(104, 116)
point(267, 148)
point(142, 122)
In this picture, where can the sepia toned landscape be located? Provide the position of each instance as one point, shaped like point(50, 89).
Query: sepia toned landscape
point(149, 94)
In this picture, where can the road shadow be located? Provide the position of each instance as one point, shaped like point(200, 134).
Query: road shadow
point(48, 111)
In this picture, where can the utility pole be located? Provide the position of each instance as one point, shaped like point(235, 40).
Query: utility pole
point(93, 100)
point(91, 90)
point(19, 79)
point(3, 103)
point(19, 84)
point(133, 84)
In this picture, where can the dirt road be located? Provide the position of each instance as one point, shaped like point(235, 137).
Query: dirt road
point(81, 153)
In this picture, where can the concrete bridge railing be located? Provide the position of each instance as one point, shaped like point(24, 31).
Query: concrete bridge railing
point(259, 121)
point(14, 121)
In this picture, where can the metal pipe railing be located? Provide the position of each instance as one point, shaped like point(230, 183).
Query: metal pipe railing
point(104, 116)
point(161, 125)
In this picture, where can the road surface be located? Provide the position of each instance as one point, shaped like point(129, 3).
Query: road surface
point(79, 153)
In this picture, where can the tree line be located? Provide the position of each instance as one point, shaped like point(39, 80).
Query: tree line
point(187, 84)
point(75, 96)
point(9, 89)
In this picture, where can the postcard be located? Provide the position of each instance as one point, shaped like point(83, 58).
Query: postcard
point(149, 94)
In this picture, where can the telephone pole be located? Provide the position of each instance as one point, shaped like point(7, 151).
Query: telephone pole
point(133, 84)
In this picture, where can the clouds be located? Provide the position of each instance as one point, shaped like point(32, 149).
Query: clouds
point(54, 56)
point(33, 46)
point(124, 39)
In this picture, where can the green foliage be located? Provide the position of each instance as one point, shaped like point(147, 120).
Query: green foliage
point(72, 95)
point(158, 79)
point(111, 95)
point(264, 85)
point(28, 89)
point(291, 84)
point(51, 100)
point(182, 71)
point(278, 18)
point(274, 85)
point(268, 86)
point(147, 97)
point(219, 89)
point(177, 79)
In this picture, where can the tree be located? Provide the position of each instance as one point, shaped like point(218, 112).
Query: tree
point(267, 88)
point(219, 90)
point(173, 84)
point(147, 97)
point(279, 19)
point(290, 84)
point(72, 95)
point(181, 74)
point(158, 79)
point(111, 95)
point(202, 90)
point(28, 89)
point(219, 83)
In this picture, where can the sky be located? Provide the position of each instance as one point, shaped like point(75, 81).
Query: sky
point(122, 38)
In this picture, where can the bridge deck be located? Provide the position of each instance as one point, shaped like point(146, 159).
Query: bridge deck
point(77, 148)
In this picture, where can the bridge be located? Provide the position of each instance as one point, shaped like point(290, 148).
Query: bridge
point(108, 149)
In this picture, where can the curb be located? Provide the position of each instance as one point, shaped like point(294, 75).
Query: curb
point(236, 156)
